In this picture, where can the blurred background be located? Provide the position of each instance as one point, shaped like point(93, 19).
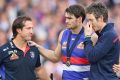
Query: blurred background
point(48, 17)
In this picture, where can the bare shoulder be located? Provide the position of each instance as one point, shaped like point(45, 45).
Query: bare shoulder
point(60, 35)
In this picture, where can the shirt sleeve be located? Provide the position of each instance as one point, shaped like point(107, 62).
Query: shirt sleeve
point(38, 63)
point(1, 56)
point(103, 46)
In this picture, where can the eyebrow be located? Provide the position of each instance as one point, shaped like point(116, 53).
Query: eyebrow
point(68, 17)
point(90, 19)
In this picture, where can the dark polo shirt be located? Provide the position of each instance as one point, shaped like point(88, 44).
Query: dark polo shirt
point(19, 65)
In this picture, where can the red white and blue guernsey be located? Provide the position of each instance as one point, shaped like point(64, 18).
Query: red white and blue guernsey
point(80, 67)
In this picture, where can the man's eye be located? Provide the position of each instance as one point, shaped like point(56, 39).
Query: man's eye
point(69, 18)
point(28, 28)
point(91, 19)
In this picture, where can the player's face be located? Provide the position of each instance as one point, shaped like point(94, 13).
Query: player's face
point(95, 22)
point(27, 32)
point(71, 21)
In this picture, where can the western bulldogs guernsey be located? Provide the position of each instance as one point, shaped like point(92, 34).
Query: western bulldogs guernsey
point(80, 67)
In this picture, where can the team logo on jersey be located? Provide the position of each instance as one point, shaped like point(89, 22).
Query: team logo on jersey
point(32, 55)
point(10, 52)
point(64, 44)
point(80, 45)
point(13, 54)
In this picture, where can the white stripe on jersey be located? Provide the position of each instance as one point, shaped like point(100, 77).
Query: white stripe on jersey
point(76, 68)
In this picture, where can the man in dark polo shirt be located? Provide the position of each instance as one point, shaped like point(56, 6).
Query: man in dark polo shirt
point(20, 60)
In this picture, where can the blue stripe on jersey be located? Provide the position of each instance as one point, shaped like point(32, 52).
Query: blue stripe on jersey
point(72, 75)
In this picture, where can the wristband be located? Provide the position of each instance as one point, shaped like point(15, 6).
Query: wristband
point(88, 36)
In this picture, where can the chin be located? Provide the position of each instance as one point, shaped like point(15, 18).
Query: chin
point(28, 39)
point(68, 27)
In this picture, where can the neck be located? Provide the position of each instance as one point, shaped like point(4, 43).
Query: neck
point(20, 43)
point(102, 26)
point(77, 29)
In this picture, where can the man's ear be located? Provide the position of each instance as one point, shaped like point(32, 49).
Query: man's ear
point(101, 18)
point(18, 30)
point(79, 19)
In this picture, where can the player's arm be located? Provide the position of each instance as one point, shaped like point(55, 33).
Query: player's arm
point(51, 55)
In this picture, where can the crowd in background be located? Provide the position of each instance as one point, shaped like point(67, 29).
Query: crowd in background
point(48, 17)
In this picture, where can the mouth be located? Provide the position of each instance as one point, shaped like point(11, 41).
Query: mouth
point(68, 25)
point(30, 36)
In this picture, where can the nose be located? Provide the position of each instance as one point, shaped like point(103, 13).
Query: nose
point(31, 31)
point(66, 21)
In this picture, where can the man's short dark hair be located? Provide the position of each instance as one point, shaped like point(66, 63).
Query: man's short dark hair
point(77, 11)
point(98, 9)
point(19, 23)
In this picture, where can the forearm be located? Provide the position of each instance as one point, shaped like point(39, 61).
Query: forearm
point(93, 53)
point(49, 54)
point(89, 49)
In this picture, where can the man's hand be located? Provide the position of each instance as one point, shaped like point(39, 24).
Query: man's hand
point(94, 38)
point(88, 29)
point(116, 68)
point(31, 43)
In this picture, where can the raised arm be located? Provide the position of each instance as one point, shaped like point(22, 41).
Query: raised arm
point(51, 55)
